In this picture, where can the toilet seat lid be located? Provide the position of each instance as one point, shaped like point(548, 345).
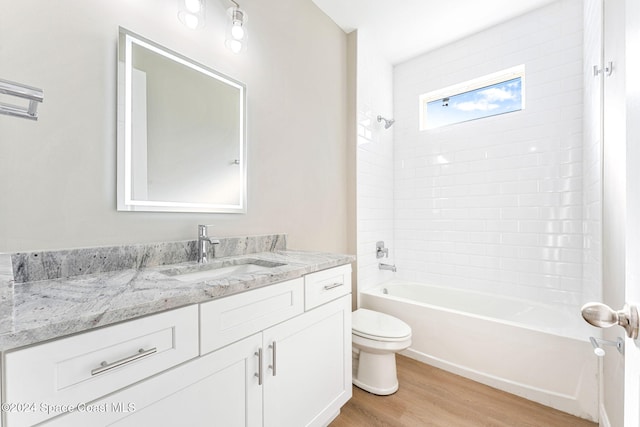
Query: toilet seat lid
point(369, 323)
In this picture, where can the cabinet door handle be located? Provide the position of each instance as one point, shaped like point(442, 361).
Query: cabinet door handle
point(104, 366)
point(273, 356)
point(259, 373)
point(334, 285)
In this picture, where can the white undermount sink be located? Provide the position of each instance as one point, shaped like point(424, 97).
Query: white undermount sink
point(217, 269)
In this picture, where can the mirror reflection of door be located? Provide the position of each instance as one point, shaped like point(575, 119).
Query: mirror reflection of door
point(191, 124)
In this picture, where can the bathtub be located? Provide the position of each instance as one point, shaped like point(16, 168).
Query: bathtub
point(533, 351)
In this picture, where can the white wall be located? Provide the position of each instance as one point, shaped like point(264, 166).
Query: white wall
point(496, 204)
point(375, 190)
point(57, 176)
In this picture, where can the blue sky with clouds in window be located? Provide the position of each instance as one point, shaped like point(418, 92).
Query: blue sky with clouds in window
point(499, 98)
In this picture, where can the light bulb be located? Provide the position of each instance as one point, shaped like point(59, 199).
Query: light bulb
point(237, 32)
point(191, 21)
point(234, 45)
point(193, 6)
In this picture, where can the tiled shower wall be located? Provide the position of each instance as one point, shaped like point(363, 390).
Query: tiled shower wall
point(592, 161)
point(496, 204)
point(374, 161)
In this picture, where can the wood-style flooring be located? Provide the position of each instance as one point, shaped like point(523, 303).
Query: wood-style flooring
point(429, 396)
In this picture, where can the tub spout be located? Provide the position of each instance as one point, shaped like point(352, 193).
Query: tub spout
point(599, 351)
point(382, 266)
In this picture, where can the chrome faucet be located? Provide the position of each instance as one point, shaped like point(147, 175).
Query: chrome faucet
point(382, 266)
point(381, 251)
point(202, 243)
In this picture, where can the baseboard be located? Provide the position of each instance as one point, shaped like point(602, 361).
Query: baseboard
point(604, 418)
point(331, 418)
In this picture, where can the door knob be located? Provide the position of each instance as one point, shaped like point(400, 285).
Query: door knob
point(603, 316)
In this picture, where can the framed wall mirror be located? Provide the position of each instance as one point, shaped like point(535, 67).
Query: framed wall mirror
point(181, 132)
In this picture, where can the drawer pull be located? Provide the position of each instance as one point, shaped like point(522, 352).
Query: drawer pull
point(104, 366)
point(334, 285)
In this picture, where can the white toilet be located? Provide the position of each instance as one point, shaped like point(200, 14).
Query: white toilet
point(376, 339)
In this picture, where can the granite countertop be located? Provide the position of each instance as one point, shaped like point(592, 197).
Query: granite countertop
point(47, 309)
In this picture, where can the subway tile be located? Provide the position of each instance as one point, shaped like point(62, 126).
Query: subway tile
point(571, 198)
point(562, 212)
point(519, 239)
point(519, 187)
point(539, 199)
point(476, 236)
point(540, 226)
point(570, 241)
point(502, 225)
point(570, 170)
point(520, 213)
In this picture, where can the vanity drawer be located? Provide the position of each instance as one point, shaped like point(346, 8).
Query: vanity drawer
point(59, 375)
point(326, 285)
point(232, 318)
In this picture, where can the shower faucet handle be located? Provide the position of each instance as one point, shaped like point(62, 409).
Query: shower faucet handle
point(381, 251)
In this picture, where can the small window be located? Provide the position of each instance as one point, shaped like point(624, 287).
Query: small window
point(491, 95)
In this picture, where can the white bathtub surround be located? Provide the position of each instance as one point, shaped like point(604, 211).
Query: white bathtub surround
point(374, 162)
point(496, 204)
point(592, 158)
point(494, 341)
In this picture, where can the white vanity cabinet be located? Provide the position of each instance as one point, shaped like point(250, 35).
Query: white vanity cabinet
point(264, 361)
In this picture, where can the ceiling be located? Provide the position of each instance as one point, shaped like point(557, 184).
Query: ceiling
point(403, 29)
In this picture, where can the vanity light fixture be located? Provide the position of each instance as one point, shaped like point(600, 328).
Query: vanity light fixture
point(191, 13)
point(236, 38)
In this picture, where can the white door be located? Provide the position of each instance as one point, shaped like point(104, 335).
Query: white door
point(632, 287)
point(622, 201)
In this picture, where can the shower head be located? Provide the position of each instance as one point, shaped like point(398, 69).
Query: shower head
point(387, 122)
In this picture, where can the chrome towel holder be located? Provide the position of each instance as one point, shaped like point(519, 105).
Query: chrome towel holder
point(32, 94)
